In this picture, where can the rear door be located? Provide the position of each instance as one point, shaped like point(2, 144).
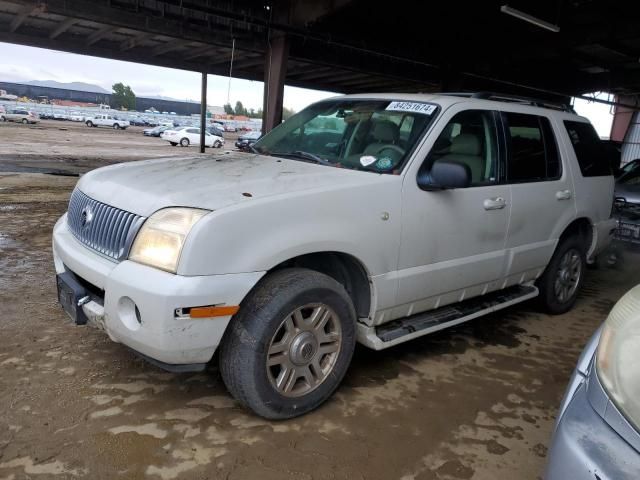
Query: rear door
point(542, 194)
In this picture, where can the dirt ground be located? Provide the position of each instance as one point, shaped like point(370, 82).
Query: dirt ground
point(474, 402)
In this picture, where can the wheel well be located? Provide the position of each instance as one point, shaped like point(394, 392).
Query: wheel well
point(343, 268)
point(582, 228)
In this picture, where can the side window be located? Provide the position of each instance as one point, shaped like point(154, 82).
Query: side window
point(532, 149)
point(193, 130)
point(589, 150)
point(470, 138)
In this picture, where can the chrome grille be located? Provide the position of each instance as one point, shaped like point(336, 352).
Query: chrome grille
point(105, 229)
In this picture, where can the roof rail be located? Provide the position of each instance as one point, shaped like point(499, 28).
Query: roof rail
point(500, 97)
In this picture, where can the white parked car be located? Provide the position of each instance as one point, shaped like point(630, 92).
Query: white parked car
point(19, 115)
point(374, 219)
point(107, 121)
point(185, 136)
point(76, 117)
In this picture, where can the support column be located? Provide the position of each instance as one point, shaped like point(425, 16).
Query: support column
point(274, 74)
point(203, 111)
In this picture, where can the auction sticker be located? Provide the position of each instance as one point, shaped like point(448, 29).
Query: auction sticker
point(416, 107)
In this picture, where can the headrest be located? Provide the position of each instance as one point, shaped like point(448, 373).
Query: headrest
point(385, 131)
point(465, 144)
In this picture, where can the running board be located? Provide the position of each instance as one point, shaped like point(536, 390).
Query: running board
point(399, 331)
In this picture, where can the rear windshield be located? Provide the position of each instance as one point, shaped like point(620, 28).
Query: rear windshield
point(591, 152)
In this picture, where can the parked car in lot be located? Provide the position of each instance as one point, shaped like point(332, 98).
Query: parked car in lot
point(630, 167)
point(597, 432)
point(186, 136)
point(155, 131)
point(107, 121)
point(214, 130)
point(388, 218)
point(627, 207)
point(19, 115)
point(245, 141)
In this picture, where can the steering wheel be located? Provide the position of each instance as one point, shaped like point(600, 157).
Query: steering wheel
point(395, 148)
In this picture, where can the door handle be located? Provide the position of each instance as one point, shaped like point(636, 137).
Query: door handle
point(495, 203)
point(563, 195)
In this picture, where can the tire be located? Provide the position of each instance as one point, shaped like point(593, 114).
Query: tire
point(561, 281)
point(116, 126)
point(217, 144)
point(25, 121)
point(268, 319)
point(173, 144)
point(89, 124)
point(184, 142)
point(3, 119)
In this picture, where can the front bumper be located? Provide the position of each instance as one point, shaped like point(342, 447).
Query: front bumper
point(159, 334)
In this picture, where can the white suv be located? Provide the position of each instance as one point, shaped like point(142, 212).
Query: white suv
point(369, 218)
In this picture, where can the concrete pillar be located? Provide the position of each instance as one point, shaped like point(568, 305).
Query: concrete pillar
point(203, 111)
point(274, 74)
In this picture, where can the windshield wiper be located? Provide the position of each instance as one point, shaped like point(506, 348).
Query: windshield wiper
point(306, 156)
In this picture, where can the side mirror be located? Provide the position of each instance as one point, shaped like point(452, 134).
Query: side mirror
point(445, 175)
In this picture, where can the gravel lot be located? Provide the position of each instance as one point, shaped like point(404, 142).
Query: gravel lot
point(474, 402)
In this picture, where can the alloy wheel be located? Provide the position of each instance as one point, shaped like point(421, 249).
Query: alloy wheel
point(304, 350)
point(568, 275)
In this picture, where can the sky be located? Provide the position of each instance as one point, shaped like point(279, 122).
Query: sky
point(19, 63)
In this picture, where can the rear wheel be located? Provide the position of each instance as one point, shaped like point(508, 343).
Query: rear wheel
point(289, 346)
point(561, 281)
point(184, 142)
point(89, 124)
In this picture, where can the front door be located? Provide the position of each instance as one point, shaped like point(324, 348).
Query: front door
point(453, 241)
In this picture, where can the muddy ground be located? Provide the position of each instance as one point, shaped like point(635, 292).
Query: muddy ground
point(473, 402)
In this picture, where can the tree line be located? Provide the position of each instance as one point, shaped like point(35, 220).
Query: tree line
point(240, 109)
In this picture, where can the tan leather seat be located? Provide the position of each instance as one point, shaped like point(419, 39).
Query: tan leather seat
point(385, 133)
point(467, 148)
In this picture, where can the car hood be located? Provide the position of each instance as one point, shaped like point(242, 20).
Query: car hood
point(631, 193)
point(213, 182)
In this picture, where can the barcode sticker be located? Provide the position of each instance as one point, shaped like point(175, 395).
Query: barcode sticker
point(416, 107)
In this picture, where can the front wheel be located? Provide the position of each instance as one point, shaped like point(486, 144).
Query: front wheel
point(89, 124)
point(288, 348)
point(25, 121)
point(561, 281)
point(217, 144)
point(116, 126)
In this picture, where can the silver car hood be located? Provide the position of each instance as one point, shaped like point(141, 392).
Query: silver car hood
point(212, 182)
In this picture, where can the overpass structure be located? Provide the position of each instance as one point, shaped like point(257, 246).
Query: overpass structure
point(549, 48)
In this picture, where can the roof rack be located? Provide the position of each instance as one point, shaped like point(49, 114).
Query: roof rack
point(500, 97)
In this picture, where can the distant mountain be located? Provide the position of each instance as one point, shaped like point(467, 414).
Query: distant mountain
point(170, 99)
point(81, 86)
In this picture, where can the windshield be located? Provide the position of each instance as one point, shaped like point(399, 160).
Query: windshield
point(372, 135)
point(630, 178)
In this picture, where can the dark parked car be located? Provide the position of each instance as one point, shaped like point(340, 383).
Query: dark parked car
point(247, 140)
point(627, 207)
point(597, 433)
point(215, 130)
point(155, 131)
point(630, 167)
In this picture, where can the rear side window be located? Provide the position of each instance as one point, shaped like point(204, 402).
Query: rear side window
point(533, 151)
point(589, 149)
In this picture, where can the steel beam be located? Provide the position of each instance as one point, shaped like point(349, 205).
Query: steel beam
point(62, 27)
point(203, 112)
point(274, 74)
point(99, 35)
point(23, 14)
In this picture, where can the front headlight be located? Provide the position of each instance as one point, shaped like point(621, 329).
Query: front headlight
point(161, 238)
point(618, 362)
